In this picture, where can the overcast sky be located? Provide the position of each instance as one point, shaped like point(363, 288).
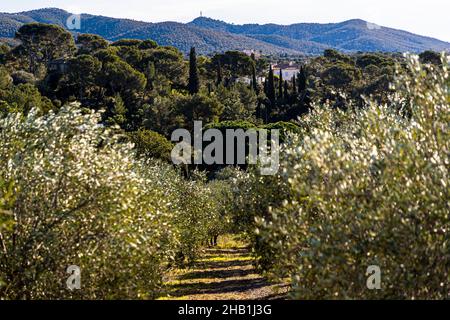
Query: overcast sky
point(424, 17)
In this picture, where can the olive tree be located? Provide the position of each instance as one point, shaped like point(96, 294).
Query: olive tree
point(366, 187)
point(80, 199)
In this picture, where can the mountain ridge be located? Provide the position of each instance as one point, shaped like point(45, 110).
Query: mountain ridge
point(317, 32)
point(210, 35)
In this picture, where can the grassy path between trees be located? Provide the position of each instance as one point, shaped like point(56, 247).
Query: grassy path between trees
point(225, 272)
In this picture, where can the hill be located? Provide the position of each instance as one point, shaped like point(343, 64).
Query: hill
point(350, 36)
point(209, 35)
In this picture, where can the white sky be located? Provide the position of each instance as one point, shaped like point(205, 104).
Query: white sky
point(424, 17)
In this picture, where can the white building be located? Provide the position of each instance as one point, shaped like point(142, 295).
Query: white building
point(248, 80)
point(289, 70)
point(252, 52)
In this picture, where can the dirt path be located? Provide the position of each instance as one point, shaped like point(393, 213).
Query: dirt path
point(223, 273)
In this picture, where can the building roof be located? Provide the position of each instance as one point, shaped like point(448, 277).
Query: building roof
point(286, 66)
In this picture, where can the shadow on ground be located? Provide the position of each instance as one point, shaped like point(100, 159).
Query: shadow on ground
point(223, 274)
point(227, 286)
point(223, 264)
point(213, 274)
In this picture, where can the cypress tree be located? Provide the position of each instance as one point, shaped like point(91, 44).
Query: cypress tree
point(210, 89)
point(219, 73)
point(280, 85)
point(194, 80)
point(254, 80)
point(150, 73)
point(294, 85)
point(286, 89)
point(258, 110)
point(302, 80)
point(271, 88)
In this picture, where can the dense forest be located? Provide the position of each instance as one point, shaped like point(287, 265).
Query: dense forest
point(87, 179)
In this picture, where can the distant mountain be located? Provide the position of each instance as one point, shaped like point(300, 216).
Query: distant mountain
point(209, 35)
point(182, 36)
point(352, 35)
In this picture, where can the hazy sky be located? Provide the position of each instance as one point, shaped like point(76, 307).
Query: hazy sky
point(425, 17)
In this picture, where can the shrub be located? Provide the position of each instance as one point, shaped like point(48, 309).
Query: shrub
point(364, 187)
point(80, 199)
point(235, 125)
point(5, 79)
point(285, 128)
point(22, 98)
point(6, 200)
point(151, 144)
point(23, 77)
point(199, 215)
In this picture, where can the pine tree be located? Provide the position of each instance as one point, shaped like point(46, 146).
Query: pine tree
point(194, 80)
point(117, 113)
point(302, 80)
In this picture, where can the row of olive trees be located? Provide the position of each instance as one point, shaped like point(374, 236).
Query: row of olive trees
point(73, 193)
point(360, 188)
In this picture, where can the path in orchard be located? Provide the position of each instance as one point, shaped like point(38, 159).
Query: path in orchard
point(223, 273)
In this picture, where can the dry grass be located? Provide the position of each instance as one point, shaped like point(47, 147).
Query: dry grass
point(225, 272)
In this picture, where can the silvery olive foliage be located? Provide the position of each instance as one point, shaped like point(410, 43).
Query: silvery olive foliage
point(82, 198)
point(359, 188)
point(200, 214)
point(6, 201)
